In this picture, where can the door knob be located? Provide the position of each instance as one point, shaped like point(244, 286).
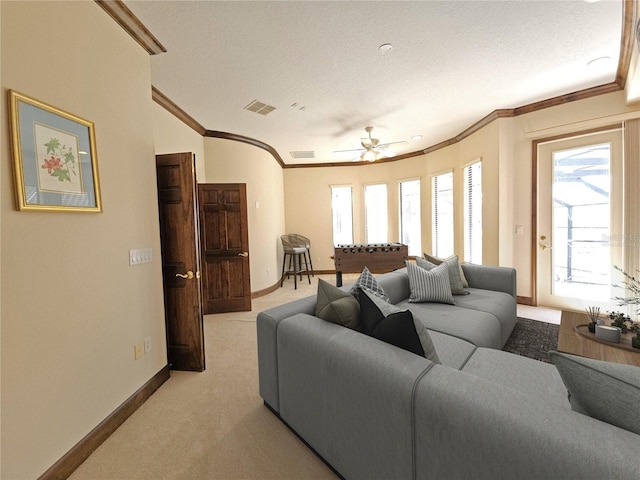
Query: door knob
point(188, 275)
point(243, 254)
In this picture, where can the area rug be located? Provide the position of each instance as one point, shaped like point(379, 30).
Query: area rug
point(533, 339)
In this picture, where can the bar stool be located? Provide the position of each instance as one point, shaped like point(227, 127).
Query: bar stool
point(296, 254)
point(303, 241)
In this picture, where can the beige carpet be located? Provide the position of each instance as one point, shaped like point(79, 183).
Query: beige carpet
point(212, 425)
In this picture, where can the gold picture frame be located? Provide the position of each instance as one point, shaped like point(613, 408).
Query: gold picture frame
point(54, 158)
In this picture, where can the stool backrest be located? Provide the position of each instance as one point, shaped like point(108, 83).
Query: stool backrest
point(288, 243)
point(301, 240)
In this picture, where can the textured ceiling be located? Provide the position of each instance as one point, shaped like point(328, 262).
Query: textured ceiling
point(452, 63)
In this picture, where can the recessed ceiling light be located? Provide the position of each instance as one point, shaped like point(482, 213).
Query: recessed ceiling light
point(385, 48)
point(416, 137)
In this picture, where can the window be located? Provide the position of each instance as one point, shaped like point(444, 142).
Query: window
point(473, 213)
point(375, 213)
point(342, 213)
point(442, 215)
point(410, 225)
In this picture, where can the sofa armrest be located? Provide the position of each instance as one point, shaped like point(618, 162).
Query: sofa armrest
point(267, 329)
point(469, 427)
point(499, 279)
point(349, 396)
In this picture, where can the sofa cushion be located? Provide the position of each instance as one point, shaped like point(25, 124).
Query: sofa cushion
point(477, 327)
point(337, 306)
point(429, 285)
point(366, 279)
point(455, 280)
point(533, 378)
point(438, 261)
point(395, 285)
point(452, 352)
point(499, 304)
point(393, 325)
point(603, 390)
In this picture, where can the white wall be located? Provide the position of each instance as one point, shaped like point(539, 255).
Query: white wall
point(171, 135)
point(228, 161)
point(505, 149)
point(72, 308)
point(308, 195)
point(516, 137)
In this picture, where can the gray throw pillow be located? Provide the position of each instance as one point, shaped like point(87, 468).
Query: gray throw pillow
point(604, 390)
point(367, 280)
point(438, 261)
point(429, 285)
point(336, 306)
point(455, 280)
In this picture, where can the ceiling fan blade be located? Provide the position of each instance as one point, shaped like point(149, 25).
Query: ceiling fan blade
point(353, 150)
point(385, 152)
point(366, 143)
point(385, 145)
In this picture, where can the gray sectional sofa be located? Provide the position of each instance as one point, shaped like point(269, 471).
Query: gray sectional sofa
point(372, 410)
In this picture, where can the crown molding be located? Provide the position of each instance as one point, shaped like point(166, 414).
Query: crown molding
point(251, 141)
point(629, 15)
point(166, 103)
point(132, 25)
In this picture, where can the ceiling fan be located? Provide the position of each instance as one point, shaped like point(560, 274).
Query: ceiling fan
point(372, 149)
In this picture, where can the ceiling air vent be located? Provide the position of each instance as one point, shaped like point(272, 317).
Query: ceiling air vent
point(303, 154)
point(260, 107)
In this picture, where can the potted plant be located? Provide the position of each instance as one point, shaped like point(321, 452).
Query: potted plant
point(619, 319)
point(633, 287)
point(635, 340)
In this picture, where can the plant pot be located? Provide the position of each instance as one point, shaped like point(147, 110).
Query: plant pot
point(592, 327)
point(635, 341)
point(608, 334)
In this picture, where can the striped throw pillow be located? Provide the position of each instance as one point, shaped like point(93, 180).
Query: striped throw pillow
point(429, 285)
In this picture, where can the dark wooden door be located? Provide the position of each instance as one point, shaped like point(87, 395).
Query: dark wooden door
point(179, 235)
point(225, 247)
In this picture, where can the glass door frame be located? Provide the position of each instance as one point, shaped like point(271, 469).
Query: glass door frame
point(536, 214)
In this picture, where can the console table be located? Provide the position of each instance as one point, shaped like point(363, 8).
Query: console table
point(575, 338)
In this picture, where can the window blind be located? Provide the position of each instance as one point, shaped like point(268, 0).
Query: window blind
point(473, 213)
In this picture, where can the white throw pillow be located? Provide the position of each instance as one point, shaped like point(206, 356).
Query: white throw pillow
point(429, 285)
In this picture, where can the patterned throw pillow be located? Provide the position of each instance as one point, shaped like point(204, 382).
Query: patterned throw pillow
point(455, 280)
point(367, 280)
point(438, 261)
point(397, 326)
point(429, 285)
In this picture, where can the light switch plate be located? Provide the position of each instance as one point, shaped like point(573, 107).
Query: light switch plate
point(140, 255)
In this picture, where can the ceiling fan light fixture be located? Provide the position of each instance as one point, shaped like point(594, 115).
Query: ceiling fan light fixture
point(369, 156)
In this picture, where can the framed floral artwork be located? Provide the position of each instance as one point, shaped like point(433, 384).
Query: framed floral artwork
point(54, 155)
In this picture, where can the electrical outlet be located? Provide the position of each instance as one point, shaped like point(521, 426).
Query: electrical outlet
point(138, 351)
point(147, 344)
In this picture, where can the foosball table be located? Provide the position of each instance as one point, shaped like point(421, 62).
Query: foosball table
point(377, 257)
